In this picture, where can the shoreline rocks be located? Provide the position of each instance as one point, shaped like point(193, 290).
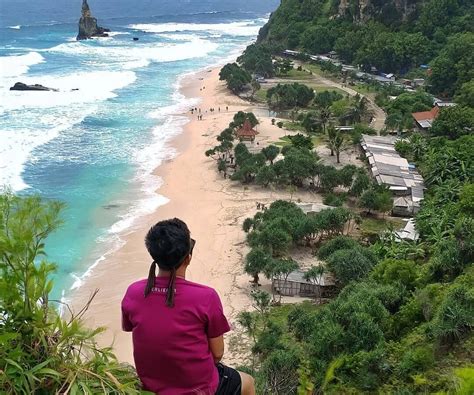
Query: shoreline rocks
point(88, 27)
point(20, 86)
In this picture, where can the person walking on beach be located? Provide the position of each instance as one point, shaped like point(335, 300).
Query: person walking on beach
point(177, 325)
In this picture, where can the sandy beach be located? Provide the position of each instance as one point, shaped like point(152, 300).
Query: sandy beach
point(213, 207)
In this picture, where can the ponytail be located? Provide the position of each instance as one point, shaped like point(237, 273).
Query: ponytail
point(171, 285)
point(151, 279)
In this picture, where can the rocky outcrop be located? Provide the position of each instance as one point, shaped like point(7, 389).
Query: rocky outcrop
point(20, 86)
point(362, 11)
point(88, 27)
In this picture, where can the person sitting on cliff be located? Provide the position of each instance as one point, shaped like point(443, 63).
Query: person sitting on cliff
point(177, 325)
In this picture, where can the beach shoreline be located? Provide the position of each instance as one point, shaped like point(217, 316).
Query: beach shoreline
point(130, 262)
point(213, 207)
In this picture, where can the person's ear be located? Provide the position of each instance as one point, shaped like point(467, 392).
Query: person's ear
point(187, 261)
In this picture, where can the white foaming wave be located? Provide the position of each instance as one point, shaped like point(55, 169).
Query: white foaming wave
point(243, 28)
point(79, 280)
point(16, 27)
point(70, 107)
point(177, 36)
point(181, 106)
point(15, 66)
point(113, 34)
point(152, 156)
point(138, 56)
point(16, 146)
point(147, 159)
point(93, 86)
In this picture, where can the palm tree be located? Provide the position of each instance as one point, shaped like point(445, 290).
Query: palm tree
point(359, 110)
point(324, 115)
point(335, 142)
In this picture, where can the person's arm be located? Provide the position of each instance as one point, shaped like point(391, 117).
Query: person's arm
point(127, 325)
point(216, 345)
point(217, 325)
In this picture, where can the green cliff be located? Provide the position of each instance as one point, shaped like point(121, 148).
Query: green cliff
point(393, 36)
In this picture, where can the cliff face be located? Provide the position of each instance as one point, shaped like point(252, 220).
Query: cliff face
point(363, 10)
point(88, 27)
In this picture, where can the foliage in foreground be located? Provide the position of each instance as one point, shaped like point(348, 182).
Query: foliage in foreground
point(42, 352)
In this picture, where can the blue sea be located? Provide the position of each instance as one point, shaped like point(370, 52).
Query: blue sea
point(95, 143)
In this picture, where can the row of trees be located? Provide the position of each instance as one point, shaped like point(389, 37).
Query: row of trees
point(235, 76)
point(272, 233)
point(285, 96)
point(255, 60)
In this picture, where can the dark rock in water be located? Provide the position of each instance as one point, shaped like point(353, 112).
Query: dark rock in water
point(111, 206)
point(20, 86)
point(88, 27)
point(135, 38)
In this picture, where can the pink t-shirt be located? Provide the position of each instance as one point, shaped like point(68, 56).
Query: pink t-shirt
point(170, 345)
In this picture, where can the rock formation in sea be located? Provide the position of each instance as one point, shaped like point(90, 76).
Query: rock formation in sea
point(88, 27)
point(20, 86)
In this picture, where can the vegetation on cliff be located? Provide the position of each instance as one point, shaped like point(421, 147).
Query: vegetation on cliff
point(393, 36)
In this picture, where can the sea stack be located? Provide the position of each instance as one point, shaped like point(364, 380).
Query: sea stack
point(88, 27)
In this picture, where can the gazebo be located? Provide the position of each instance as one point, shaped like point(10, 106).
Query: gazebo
point(246, 132)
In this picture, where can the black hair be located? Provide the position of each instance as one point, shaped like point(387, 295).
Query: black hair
point(169, 243)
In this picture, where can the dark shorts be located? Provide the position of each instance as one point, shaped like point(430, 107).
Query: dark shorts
point(230, 382)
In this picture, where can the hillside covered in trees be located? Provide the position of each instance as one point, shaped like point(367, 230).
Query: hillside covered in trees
point(402, 318)
point(393, 36)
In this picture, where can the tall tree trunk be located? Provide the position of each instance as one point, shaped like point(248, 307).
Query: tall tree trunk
point(337, 156)
point(255, 278)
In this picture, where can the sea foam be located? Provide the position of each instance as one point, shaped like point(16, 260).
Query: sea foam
point(16, 66)
point(16, 146)
point(85, 87)
point(66, 108)
point(140, 55)
point(244, 28)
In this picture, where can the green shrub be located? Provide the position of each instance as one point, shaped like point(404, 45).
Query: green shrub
point(41, 352)
point(338, 243)
point(416, 359)
point(335, 200)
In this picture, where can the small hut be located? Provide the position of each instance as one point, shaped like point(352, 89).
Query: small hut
point(246, 132)
point(296, 285)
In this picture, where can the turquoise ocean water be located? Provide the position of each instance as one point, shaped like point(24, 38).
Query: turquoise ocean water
point(95, 143)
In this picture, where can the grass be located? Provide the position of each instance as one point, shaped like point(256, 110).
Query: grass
point(314, 68)
point(295, 75)
point(293, 126)
point(279, 314)
point(322, 88)
point(375, 225)
point(283, 141)
point(261, 95)
point(363, 88)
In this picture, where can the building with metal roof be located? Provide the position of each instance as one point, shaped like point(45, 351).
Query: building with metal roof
point(389, 168)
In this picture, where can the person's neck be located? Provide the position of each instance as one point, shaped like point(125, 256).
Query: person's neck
point(181, 273)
